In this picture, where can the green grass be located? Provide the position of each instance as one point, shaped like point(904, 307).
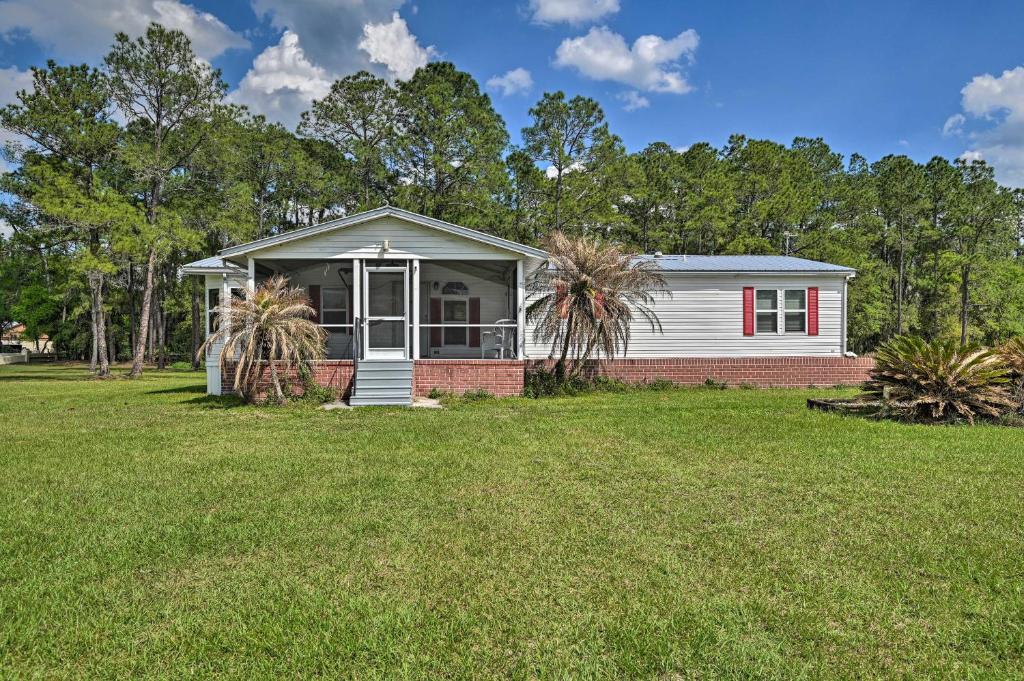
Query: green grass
point(149, 530)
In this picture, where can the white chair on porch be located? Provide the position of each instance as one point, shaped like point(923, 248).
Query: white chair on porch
point(500, 340)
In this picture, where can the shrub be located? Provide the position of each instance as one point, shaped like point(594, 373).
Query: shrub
point(1012, 353)
point(710, 382)
point(541, 383)
point(942, 381)
point(311, 390)
point(663, 384)
point(477, 395)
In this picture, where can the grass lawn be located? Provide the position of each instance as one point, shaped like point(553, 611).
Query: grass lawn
point(149, 530)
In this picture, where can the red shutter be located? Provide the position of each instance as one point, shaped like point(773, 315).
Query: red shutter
point(436, 313)
point(748, 310)
point(314, 301)
point(474, 318)
point(812, 311)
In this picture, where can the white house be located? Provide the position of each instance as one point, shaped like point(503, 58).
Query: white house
point(411, 303)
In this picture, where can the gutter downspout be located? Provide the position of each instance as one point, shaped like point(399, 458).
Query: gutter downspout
point(843, 314)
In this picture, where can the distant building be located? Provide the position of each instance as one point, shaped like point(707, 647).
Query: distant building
point(15, 336)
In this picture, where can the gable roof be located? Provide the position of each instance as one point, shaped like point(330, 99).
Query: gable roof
point(385, 211)
point(740, 263)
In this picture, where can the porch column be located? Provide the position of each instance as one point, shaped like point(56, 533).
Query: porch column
point(357, 310)
point(415, 309)
point(520, 310)
point(251, 281)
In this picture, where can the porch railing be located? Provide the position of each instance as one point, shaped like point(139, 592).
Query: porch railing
point(498, 340)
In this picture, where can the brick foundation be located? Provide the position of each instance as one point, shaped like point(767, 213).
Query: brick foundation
point(330, 373)
point(505, 377)
point(763, 372)
point(499, 377)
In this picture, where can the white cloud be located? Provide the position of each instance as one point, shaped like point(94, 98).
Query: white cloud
point(572, 11)
point(995, 104)
point(282, 82)
point(330, 29)
point(551, 172)
point(633, 100)
point(517, 81)
point(954, 125)
point(85, 29)
point(11, 80)
point(392, 45)
point(652, 64)
point(5, 229)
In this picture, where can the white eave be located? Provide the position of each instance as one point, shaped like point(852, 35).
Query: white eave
point(385, 211)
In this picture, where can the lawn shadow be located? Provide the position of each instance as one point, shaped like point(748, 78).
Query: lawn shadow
point(213, 401)
point(195, 388)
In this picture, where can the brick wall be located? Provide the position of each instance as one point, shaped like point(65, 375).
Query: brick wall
point(505, 377)
point(765, 372)
point(498, 377)
point(331, 373)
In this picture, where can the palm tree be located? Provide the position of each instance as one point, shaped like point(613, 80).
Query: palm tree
point(587, 294)
point(272, 322)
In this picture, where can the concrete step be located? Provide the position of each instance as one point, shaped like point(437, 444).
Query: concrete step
point(380, 398)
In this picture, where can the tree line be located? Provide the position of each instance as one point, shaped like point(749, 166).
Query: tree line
point(132, 167)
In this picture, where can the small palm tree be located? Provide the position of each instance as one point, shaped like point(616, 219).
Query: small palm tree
point(272, 322)
point(586, 296)
point(1012, 352)
point(940, 381)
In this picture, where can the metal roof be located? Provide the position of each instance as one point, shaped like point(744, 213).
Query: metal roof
point(740, 263)
point(389, 211)
point(211, 265)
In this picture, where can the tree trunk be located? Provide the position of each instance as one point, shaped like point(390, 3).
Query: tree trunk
point(99, 326)
point(197, 339)
point(161, 319)
point(965, 302)
point(92, 327)
point(111, 346)
point(278, 393)
point(558, 201)
point(131, 305)
point(147, 299)
point(560, 364)
point(899, 287)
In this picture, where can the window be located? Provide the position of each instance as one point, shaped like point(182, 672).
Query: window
point(212, 301)
point(333, 305)
point(767, 309)
point(796, 311)
point(456, 311)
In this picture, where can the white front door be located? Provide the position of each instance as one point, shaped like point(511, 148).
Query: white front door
point(386, 303)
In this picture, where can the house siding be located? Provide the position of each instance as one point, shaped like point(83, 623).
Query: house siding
point(701, 315)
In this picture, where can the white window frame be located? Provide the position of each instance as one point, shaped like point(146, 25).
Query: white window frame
point(211, 310)
point(785, 311)
point(323, 309)
point(758, 312)
point(445, 323)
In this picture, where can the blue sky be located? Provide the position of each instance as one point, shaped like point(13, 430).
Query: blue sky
point(914, 77)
